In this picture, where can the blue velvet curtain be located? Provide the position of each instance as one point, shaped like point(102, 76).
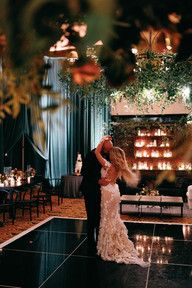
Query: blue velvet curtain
point(72, 128)
point(13, 131)
point(16, 144)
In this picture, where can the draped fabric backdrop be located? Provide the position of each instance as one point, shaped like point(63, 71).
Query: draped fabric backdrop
point(72, 128)
point(17, 149)
point(14, 130)
point(16, 144)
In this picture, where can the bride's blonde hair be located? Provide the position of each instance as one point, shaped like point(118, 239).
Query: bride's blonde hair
point(118, 159)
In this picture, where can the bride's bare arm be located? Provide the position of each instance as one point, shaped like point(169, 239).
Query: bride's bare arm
point(111, 173)
point(100, 158)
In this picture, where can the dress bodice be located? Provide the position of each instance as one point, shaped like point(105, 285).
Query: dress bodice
point(105, 169)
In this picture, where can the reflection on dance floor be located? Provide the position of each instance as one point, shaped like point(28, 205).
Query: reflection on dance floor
point(54, 254)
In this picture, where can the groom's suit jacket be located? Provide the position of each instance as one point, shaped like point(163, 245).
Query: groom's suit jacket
point(91, 172)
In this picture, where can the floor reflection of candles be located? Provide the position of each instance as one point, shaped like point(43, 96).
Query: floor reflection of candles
point(142, 246)
point(162, 248)
point(156, 238)
point(187, 232)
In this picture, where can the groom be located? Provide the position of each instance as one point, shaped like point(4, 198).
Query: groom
point(90, 187)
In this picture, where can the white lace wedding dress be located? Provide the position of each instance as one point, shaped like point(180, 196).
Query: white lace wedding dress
point(113, 242)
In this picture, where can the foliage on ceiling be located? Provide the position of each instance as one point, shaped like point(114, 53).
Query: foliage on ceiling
point(29, 28)
point(158, 79)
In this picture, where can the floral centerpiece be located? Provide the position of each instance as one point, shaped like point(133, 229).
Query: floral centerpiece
point(149, 191)
point(2, 178)
point(17, 177)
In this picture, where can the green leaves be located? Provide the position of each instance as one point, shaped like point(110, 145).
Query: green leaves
point(158, 80)
point(161, 76)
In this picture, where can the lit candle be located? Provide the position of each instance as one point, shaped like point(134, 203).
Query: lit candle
point(12, 181)
point(6, 183)
point(19, 181)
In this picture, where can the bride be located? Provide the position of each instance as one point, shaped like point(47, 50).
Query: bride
point(113, 242)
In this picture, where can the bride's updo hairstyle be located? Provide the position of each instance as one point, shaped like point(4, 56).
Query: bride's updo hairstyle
point(118, 160)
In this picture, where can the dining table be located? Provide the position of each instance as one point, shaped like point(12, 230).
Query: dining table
point(71, 186)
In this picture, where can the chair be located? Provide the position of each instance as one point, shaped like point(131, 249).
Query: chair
point(56, 188)
point(42, 194)
point(25, 201)
point(7, 205)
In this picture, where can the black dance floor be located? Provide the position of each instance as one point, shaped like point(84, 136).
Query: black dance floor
point(54, 255)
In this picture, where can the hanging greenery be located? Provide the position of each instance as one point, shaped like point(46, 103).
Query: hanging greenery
point(29, 28)
point(159, 79)
point(97, 92)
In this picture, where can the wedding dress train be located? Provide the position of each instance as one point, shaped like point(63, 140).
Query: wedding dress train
point(113, 242)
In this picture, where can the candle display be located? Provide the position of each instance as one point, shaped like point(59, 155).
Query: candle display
point(156, 145)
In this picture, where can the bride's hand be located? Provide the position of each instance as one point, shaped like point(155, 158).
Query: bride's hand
point(106, 138)
point(103, 182)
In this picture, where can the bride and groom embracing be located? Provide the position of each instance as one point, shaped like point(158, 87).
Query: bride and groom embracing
point(107, 235)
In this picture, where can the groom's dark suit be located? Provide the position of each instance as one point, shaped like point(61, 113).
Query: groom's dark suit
point(91, 171)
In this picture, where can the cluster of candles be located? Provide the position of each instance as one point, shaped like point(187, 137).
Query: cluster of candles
point(142, 166)
point(157, 132)
point(142, 143)
point(153, 154)
point(185, 166)
point(164, 165)
point(11, 182)
point(155, 151)
point(16, 178)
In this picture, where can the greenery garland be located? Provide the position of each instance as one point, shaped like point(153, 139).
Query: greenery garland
point(158, 79)
point(98, 92)
point(25, 38)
